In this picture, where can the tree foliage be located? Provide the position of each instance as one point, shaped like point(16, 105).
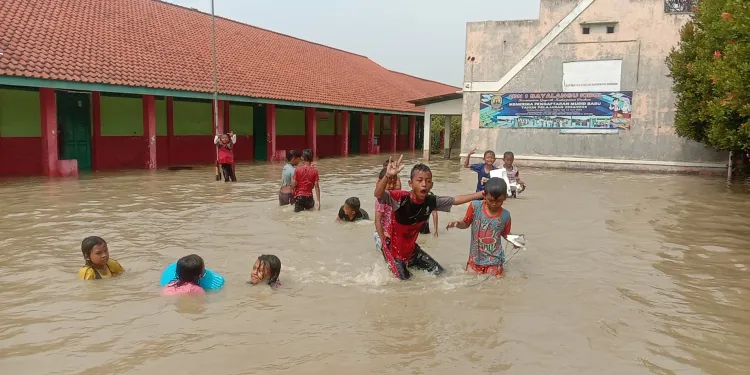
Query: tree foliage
point(437, 125)
point(711, 72)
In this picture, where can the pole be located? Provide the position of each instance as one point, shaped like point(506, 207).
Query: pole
point(216, 86)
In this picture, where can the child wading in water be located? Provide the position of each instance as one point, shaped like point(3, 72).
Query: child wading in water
point(410, 210)
point(225, 142)
point(190, 270)
point(266, 268)
point(286, 193)
point(483, 169)
point(490, 223)
point(514, 177)
point(305, 179)
point(351, 211)
point(98, 265)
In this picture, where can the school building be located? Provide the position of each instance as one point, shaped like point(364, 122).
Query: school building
point(583, 86)
point(122, 84)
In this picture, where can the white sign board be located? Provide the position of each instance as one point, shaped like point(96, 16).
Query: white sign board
point(588, 76)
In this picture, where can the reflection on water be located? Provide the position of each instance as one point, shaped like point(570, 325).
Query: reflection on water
point(624, 274)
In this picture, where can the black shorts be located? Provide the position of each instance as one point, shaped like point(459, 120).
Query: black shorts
point(419, 260)
point(304, 204)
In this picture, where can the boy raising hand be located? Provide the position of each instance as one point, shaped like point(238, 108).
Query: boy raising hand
point(410, 210)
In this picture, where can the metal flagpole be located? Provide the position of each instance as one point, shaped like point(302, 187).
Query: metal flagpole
point(216, 86)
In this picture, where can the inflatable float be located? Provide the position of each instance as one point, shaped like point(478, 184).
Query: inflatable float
point(210, 281)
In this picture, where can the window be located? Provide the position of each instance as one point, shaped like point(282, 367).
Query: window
point(679, 6)
point(586, 30)
point(610, 29)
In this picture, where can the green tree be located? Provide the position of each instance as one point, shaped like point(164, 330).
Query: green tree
point(711, 72)
point(437, 125)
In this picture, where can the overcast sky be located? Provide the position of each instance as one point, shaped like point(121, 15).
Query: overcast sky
point(425, 38)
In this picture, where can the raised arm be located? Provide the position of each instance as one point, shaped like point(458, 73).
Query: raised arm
point(233, 137)
point(391, 171)
point(468, 158)
point(216, 139)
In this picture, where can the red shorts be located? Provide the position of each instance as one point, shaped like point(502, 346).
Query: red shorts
point(490, 270)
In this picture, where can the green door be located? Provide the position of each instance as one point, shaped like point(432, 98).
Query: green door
point(260, 134)
point(74, 125)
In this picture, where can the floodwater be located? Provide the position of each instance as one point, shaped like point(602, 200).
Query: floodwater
point(623, 274)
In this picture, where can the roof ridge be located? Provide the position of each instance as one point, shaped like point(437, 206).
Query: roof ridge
point(420, 78)
point(260, 28)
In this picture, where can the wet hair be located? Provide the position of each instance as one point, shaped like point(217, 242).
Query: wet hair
point(489, 152)
point(352, 202)
point(307, 155)
point(274, 267)
point(189, 270)
point(385, 163)
point(382, 173)
point(88, 244)
point(420, 168)
point(292, 154)
point(508, 153)
point(496, 187)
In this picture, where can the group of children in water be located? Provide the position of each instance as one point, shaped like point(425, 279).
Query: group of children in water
point(190, 269)
point(400, 216)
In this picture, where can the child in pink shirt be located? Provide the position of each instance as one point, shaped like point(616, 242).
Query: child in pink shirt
point(190, 270)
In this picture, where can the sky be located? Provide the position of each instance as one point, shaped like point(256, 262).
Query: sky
point(425, 38)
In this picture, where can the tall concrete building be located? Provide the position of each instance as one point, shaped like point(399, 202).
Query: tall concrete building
point(584, 85)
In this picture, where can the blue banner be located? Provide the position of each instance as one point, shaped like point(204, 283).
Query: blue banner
point(556, 110)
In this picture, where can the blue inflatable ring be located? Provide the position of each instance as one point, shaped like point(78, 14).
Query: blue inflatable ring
point(210, 281)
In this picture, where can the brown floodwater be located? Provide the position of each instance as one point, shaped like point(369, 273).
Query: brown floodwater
point(623, 274)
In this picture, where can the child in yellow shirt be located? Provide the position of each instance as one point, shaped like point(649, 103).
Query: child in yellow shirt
point(98, 265)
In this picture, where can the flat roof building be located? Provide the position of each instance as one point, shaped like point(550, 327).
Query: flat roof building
point(584, 85)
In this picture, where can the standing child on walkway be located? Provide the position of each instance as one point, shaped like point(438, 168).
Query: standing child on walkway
point(225, 142)
point(304, 180)
point(490, 223)
point(286, 193)
point(410, 210)
point(483, 169)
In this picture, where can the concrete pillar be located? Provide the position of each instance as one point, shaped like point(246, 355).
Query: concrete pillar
point(412, 132)
point(336, 131)
point(271, 131)
point(50, 153)
point(170, 128)
point(149, 130)
point(311, 130)
point(394, 133)
point(447, 137)
point(96, 123)
point(426, 136)
point(370, 133)
point(344, 133)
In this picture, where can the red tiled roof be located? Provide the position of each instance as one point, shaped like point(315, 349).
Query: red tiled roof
point(149, 43)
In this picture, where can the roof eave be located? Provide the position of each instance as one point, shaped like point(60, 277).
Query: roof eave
point(6, 80)
point(436, 99)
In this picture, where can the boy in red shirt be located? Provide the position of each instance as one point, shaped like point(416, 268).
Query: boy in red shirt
point(410, 210)
point(304, 179)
